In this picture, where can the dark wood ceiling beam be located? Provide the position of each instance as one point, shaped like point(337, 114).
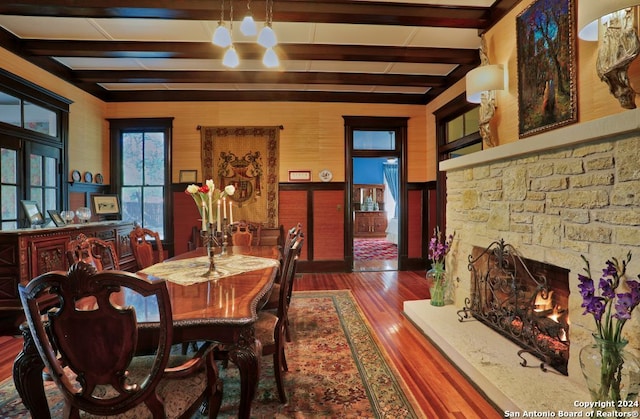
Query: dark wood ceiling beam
point(327, 11)
point(206, 50)
point(266, 77)
point(260, 96)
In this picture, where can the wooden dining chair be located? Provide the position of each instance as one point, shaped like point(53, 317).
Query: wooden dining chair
point(270, 326)
point(241, 235)
point(142, 248)
point(273, 303)
point(96, 368)
point(97, 252)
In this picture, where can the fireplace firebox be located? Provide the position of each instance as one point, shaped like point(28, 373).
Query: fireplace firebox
point(524, 300)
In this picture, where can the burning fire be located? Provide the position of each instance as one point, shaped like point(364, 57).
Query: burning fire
point(543, 304)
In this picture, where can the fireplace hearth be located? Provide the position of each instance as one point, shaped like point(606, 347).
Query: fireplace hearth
point(524, 300)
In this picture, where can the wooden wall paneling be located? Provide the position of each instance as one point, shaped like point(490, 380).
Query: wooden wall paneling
point(414, 223)
point(185, 217)
point(292, 209)
point(328, 225)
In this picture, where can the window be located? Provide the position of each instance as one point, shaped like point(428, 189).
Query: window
point(33, 132)
point(457, 130)
point(374, 140)
point(141, 161)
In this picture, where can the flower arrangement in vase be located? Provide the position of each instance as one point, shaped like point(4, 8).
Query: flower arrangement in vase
point(208, 199)
point(437, 277)
point(612, 373)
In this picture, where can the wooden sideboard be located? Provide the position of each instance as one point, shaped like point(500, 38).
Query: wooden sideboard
point(27, 253)
point(370, 224)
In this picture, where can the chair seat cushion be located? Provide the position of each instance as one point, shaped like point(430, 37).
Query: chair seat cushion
point(265, 325)
point(178, 394)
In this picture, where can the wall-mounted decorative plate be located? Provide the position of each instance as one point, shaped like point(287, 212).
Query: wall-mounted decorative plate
point(325, 175)
point(75, 176)
point(88, 177)
point(99, 179)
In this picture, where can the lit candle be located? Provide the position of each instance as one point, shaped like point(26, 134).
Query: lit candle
point(230, 212)
point(210, 206)
point(204, 216)
point(219, 225)
point(224, 207)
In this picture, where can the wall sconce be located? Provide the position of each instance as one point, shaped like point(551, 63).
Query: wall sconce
point(484, 79)
point(619, 43)
point(482, 83)
point(590, 12)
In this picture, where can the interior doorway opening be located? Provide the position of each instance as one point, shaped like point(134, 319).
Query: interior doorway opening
point(375, 213)
point(376, 192)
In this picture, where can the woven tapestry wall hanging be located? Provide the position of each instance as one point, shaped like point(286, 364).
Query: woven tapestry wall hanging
point(246, 157)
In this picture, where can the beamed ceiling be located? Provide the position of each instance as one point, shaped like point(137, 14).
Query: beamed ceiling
point(330, 51)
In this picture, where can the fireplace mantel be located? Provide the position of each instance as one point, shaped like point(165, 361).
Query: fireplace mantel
point(620, 124)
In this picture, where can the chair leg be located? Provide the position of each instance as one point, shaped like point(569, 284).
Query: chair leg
point(280, 365)
point(286, 329)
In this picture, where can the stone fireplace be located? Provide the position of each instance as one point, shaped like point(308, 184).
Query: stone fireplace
point(555, 196)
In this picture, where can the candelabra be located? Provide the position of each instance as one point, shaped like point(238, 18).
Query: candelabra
point(212, 238)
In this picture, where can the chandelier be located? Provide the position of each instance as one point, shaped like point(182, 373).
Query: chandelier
point(223, 37)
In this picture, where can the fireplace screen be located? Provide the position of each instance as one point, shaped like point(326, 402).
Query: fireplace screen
point(524, 300)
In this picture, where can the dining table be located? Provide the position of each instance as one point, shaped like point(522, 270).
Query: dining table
point(220, 306)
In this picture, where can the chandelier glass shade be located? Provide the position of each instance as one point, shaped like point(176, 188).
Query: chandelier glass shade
point(267, 37)
point(270, 58)
point(231, 58)
point(248, 26)
point(222, 36)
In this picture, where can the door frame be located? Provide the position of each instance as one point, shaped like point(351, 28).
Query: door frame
point(399, 126)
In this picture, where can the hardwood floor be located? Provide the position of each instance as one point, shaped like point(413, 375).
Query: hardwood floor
point(435, 385)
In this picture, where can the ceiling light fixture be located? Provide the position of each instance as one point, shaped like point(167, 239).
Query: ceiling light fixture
point(222, 36)
point(231, 58)
point(267, 37)
point(591, 11)
point(248, 25)
point(270, 58)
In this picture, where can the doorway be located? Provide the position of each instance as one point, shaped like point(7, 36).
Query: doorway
point(375, 236)
point(375, 215)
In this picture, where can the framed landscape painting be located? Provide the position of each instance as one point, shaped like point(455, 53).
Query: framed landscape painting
point(546, 66)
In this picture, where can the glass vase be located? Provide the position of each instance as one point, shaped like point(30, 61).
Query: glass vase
point(437, 286)
point(612, 375)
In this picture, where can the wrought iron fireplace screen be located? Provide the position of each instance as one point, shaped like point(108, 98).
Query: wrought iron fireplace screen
point(524, 300)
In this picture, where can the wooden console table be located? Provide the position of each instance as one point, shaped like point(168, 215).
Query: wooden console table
point(29, 252)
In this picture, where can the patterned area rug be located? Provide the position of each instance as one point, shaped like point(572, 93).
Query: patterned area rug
point(374, 249)
point(336, 369)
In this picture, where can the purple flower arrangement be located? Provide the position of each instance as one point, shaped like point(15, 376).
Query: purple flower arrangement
point(438, 249)
point(610, 308)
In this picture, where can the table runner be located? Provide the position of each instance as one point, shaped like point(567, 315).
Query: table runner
point(191, 271)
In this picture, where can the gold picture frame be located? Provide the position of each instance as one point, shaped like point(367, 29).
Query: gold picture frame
point(188, 176)
point(32, 212)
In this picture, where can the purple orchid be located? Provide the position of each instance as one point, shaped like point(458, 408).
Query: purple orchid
point(604, 303)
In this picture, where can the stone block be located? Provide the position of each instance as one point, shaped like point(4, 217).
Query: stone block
point(578, 199)
point(592, 179)
point(550, 184)
point(568, 167)
point(588, 233)
point(540, 169)
point(515, 184)
point(499, 217)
